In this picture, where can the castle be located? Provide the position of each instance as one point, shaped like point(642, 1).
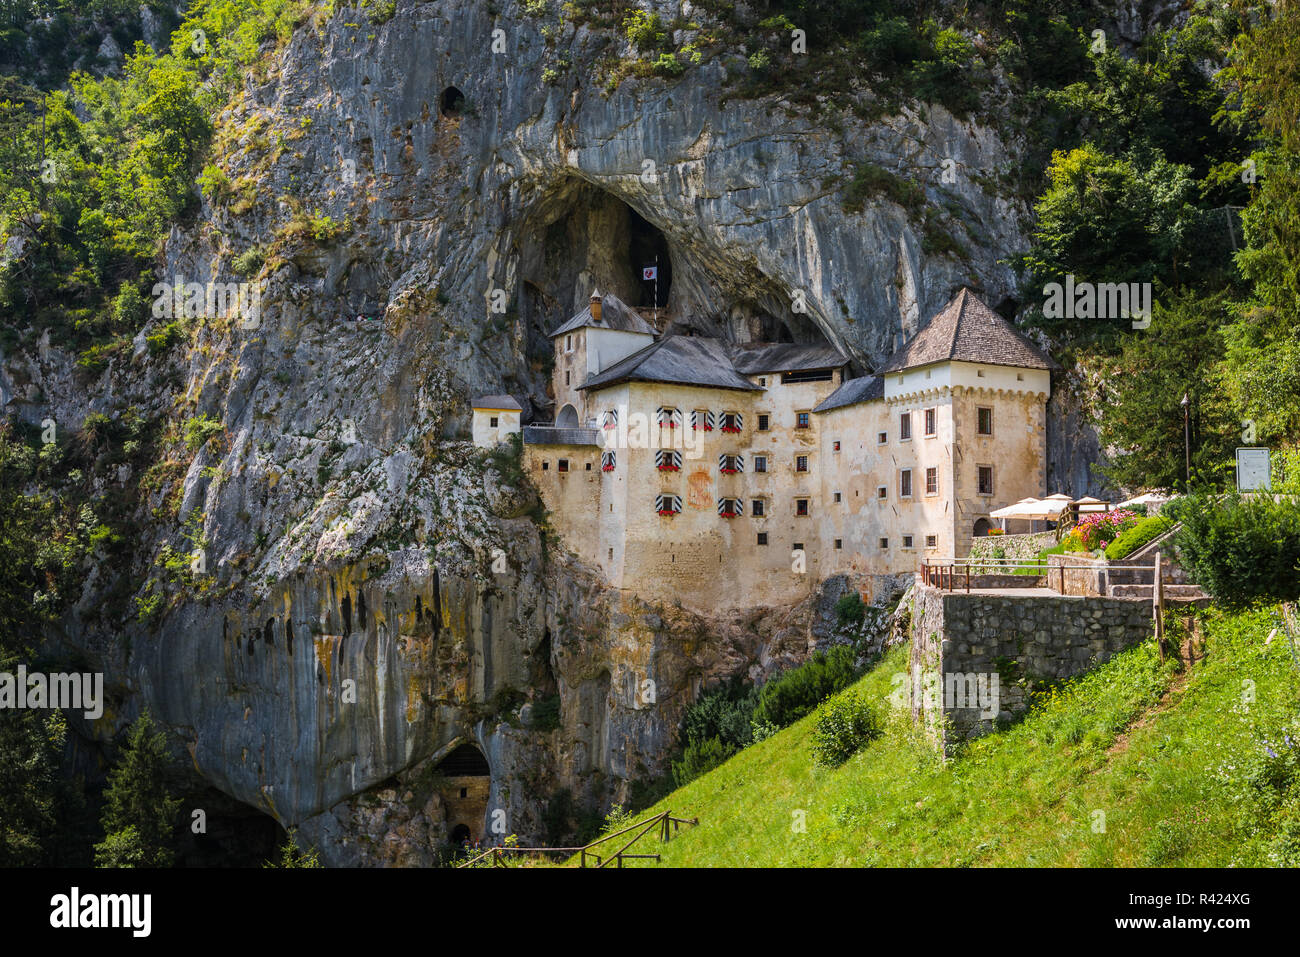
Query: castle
point(728, 475)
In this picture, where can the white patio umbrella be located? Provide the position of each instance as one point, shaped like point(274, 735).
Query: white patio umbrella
point(1147, 498)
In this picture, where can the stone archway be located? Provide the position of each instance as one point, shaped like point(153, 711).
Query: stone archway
point(982, 526)
point(466, 784)
point(567, 418)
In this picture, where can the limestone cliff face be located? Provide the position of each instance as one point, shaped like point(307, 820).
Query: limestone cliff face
point(372, 590)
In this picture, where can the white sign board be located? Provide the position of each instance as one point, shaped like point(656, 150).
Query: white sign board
point(1252, 469)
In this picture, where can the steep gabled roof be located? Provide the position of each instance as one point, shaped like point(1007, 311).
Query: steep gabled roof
point(759, 357)
point(676, 360)
point(862, 389)
point(502, 403)
point(614, 314)
point(966, 330)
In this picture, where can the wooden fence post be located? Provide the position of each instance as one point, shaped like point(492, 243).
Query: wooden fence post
point(1158, 606)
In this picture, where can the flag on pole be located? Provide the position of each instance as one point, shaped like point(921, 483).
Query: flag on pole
point(650, 272)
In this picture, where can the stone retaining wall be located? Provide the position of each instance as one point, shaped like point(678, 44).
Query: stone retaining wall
point(975, 657)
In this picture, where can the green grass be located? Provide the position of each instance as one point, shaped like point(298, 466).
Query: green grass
point(1170, 756)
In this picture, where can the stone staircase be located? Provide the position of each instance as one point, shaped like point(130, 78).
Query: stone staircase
point(1125, 581)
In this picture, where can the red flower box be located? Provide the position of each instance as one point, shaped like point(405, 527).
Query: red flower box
point(669, 468)
point(706, 428)
point(666, 511)
point(730, 428)
point(729, 471)
point(607, 468)
point(728, 514)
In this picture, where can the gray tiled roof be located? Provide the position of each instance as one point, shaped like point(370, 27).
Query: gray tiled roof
point(550, 435)
point(677, 360)
point(614, 314)
point(504, 402)
point(784, 357)
point(967, 330)
point(862, 389)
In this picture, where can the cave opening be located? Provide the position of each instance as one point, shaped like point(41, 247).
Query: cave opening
point(452, 102)
point(648, 249)
point(466, 783)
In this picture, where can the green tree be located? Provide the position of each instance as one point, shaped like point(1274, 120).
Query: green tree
point(139, 812)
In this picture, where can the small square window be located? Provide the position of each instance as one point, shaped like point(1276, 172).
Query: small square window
point(492, 422)
point(882, 438)
point(762, 380)
point(979, 373)
point(931, 541)
point(563, 465)
point(798, 547)
point(838, 543)
point(884, 543)
point(907, 541)
point(837, 496)
point(588, 466)
point(763, 422)
point(546, 466)
point(835, 446)
point(757, 508)
point(464, 792)
point(881, 491)
point(760, 463)
point(801, 463)
point(801, 506)
point(1020, 377)
point(762, 538)
point(801, 420)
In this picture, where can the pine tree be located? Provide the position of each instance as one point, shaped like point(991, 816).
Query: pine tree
point(139, 813)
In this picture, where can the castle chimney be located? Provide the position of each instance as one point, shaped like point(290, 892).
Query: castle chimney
point(595, 305)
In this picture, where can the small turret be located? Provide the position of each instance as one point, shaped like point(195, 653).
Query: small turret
point(595, 305)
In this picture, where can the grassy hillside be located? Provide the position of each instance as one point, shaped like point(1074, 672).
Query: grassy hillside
point(1172, 754)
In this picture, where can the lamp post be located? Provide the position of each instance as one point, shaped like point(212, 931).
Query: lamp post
point(1187, 445)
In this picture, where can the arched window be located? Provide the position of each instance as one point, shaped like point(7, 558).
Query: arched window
point(982, 526)
point(568, 418)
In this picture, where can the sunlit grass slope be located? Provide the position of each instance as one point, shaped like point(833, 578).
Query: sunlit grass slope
point(1136, 763)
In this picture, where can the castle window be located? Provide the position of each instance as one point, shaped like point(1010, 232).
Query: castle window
point(801, 420)
point(731, 464)
point(932, 481)
point(492, 422)
point(979, 373)
point(905, 483)
point(610, 419)
point(835, 446)
point(566, 377)
point(884, 543)
point(882, 438)
point(984, 424)
point(668, 417)
point(546, 466)
point(764, 422)
point(730, 507)
point(905, 426)
point(837, 496)
point(809, 375)
point(801, 506)
point(762, 538)
point(568, 343)
point(760, 463)
point(757, 508)
point(563, 465)
point(931, 421)
point(907, 541)
point(839, 543)
point(668, 504)
point(762, 380)
point(702, 420)
point(984, 479)
point(732, 422)
point(801, 463)
point(668, 460)
point(588, 466)
point(796, 549)
point(930, 541)
point(1020, 377)
point(881, 492)
point(607, 461)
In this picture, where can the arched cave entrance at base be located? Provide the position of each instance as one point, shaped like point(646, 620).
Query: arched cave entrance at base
point(567, 418)
point(467, 782)
point(647, 246)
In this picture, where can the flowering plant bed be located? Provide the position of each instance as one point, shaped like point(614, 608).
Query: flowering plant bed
point(667, 511)
point(730, 428)
point(729, 471)
point(607, 468)
point(669, 468)
point(728, 514)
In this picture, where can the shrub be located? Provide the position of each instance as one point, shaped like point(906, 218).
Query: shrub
point(1095, 529)
point(699, 758)
point(870, 180)
point(724, 713)
point(546, 713)
point(1137, 536)
point(199, 429)
point(843, 725)
point(1242, 550)
point(788, 697)
point(849, 610)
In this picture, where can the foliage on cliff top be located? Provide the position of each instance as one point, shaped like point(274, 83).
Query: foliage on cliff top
point(1183, 771)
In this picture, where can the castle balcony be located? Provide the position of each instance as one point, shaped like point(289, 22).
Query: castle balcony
point(556, 435)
